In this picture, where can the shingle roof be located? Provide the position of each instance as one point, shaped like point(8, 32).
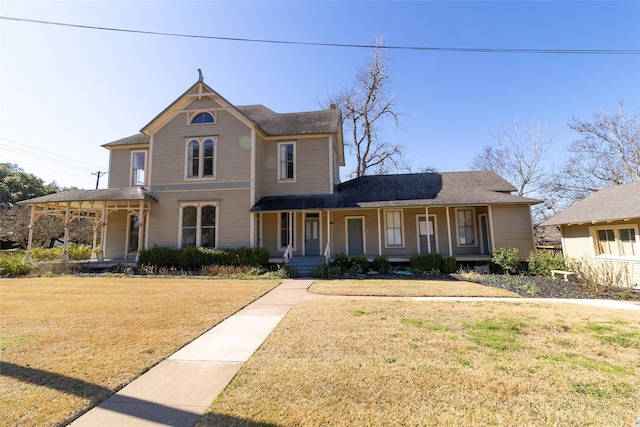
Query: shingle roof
point(423, 189)
point(103, 194)
point(272, 123)
point(136, 139)
point(619, 202)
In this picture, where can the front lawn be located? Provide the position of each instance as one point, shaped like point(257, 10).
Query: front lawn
point(69, 342)
point(397, 363)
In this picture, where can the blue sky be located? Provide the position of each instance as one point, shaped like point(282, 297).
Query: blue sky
point(65, 91)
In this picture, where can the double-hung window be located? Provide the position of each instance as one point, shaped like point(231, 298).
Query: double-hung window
point(138, 167)
point(201, 158)
point(198, 225)
point(466, 227)
point(617, 241)
point(393, 223)
point(286, 161)
point(286, 229)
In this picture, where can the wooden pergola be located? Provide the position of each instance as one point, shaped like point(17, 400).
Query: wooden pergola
point(94, 205)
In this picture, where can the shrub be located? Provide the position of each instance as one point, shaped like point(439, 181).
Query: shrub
point(228, 270)
point(159, 256)
point(284, 272)
point(325, 271)
point(449, 265)
point(541, 263)
point(507, 259)
point(599, 276)
point(380, 264)
point(427, 262)
point(360, 263)
point(341, 260)
point(14, 266)
point(47, 269)
point(46, 254)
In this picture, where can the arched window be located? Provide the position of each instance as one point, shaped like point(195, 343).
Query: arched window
point(199, 225)
point(193, 164)
point(201, 155)
point(202, 118)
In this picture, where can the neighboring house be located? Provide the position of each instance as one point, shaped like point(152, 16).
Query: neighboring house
point(604, 227)
point(208, 173)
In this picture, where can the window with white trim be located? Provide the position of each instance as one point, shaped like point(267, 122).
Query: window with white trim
point(617, 241)
point(393, 224)
point(287, 230)
point(201, 118)
point(466, 227)
point(201, 157)
point(198, 225)
point(138, 167)
point(286, 161)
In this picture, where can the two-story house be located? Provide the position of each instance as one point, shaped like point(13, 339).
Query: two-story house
point(207, 173)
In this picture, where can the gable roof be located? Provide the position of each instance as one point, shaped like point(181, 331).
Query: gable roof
point(620, 202)
point(269, 122)
point(403, 190)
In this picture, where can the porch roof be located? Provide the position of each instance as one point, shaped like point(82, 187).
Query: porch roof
point(100, 195)
point(404, 190)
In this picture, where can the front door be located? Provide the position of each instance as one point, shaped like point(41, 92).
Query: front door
point(311, 239)
point(427, 235)
point(355, 243)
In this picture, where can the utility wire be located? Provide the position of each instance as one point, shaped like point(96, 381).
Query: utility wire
point(39, 155)
point(345, 45)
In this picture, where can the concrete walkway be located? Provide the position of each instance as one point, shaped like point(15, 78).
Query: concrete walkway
point(178, 390)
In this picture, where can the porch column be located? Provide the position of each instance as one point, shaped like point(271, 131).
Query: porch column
point(103, 226)
point(491, 236)
point(65, 250)
point(252, 229)
point(141, 226)
point(449, 232)
point(426, 216)
point(93, 256)
point(291, 225)
point(320, 234)
point(31, 225)
point(379, 234)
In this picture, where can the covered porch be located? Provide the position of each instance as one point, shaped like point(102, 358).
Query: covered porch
point(95, 206)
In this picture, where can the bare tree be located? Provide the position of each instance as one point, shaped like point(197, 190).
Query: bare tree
point(519, 156)
point(365, 107)
point(608, 154)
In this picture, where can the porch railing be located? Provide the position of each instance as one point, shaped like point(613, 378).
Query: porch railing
point(327, 253)
point(287, 255)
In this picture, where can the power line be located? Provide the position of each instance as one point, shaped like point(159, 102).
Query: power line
point(344, 45)
point(39, 155)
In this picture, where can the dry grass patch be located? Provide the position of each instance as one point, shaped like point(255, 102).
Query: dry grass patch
point(69, 342)
point(357, 363)
point(408, 288)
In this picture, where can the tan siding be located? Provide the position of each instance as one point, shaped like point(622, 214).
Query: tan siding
point(512, 228)
point(311, 169)
point(233, 149)
point(202, 104)
point(119, 164)
point(114, 247)
point(233, 216)
point(577, 244)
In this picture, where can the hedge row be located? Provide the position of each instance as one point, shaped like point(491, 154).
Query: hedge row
point(196, 258)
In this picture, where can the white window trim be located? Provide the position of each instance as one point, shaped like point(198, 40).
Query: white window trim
point(594, 241)
point(475, 228)
point(402, 227)
point(435, 231)
point(295, 161)
point(293, 225)
point(201, 140)
point(198, 206)
point(192, 114)
point(146, 167)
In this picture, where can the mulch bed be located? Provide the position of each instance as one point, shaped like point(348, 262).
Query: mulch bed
point(527, 286)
